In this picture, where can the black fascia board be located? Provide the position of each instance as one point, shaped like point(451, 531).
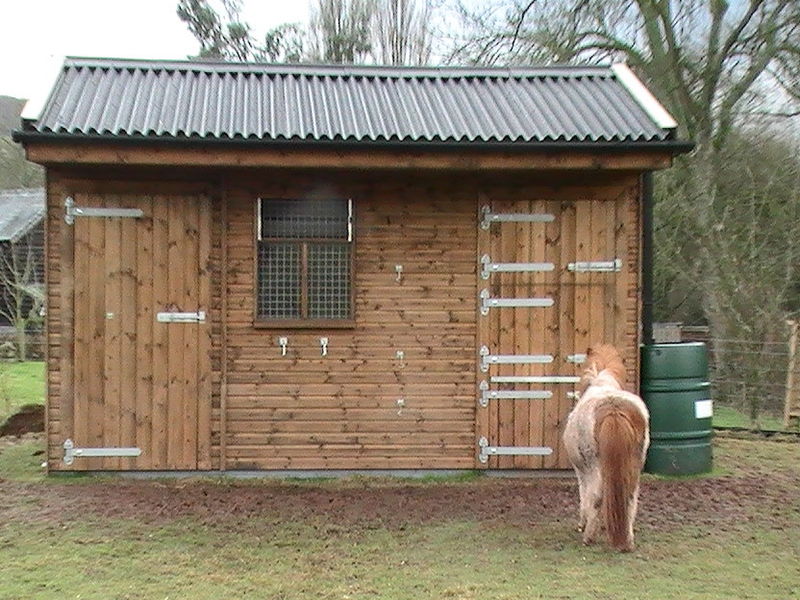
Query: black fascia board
point(675, 146)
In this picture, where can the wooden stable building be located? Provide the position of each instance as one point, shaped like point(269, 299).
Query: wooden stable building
point(282, 267)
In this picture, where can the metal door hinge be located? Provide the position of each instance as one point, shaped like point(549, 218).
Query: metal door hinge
point(71, 452)
point(511, 359)
point(71, 211)
point(485, 450)
point(487, 394)
point(535, 379)
point(488, 217)
point(488, 267)
point(488, 302)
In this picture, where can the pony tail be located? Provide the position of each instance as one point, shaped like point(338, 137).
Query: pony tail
point(619, 432)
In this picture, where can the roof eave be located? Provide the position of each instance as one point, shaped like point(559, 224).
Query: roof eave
point(673, 146)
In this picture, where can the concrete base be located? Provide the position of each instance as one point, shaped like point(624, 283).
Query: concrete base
point(328, 474)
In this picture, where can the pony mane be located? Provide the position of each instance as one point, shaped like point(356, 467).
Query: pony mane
point(603, 358)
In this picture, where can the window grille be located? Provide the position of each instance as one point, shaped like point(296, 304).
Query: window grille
point(304, 260)
point(278, 281)
point(328, 281)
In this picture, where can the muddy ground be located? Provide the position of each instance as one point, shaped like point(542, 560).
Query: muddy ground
point(749, 493)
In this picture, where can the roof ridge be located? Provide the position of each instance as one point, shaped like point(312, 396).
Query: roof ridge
point(342, 70)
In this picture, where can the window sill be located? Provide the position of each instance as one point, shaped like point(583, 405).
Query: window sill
point(305, 324)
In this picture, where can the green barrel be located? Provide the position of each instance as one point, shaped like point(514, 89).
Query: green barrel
point(677, 392)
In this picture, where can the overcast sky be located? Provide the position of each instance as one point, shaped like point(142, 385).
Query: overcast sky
point(36, 35)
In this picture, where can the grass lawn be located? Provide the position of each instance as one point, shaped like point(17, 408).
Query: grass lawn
point(726, 416)
point(20, 383)
point(734, 534)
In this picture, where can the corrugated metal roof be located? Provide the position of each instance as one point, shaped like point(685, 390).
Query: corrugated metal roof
point(20, 211)
point(313, 103)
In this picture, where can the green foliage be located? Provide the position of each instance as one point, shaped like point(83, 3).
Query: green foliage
point(20, 383)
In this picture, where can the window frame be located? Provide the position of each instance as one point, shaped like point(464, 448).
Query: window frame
point(304, 323)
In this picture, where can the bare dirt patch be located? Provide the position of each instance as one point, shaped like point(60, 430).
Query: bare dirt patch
point(721, 501)
point(28, 419)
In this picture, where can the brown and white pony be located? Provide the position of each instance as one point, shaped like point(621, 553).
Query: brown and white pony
point(606, 438)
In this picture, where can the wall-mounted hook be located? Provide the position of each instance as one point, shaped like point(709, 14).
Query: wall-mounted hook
point(401, 404)
point(323, 342)
point(399, 270)
point(283, 342)
point(401, 356)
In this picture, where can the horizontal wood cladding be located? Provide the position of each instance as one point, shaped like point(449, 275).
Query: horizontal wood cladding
point(361, 406)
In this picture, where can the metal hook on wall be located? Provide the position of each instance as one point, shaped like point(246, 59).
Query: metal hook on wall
point(399, 270)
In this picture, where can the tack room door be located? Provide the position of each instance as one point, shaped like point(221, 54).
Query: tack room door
point(141, 369)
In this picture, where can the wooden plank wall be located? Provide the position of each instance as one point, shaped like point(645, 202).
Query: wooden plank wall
point(306, 411)
point(341, 411)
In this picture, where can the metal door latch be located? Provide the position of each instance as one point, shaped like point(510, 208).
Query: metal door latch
point(576, 358)
point(180, 317)
point(283, 342)
point(323, 342)
point(596, 266)
point(71, 452)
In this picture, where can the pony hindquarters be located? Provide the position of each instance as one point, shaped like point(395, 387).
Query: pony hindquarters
point(620, 432)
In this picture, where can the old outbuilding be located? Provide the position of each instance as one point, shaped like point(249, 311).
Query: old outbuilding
point(281, 267)
point(22, 213)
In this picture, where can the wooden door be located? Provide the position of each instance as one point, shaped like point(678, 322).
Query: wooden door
point(579, 306)
point(138, 382)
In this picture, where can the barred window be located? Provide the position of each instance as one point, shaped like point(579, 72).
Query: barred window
point(304, 274)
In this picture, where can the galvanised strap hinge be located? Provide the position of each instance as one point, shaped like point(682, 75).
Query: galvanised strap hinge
point(487, 394)
point(488, 302)
point(485, 450)
point(488, 217)
point(71, 452)
point(512, 359)
point(488, 267)
point(71, 211)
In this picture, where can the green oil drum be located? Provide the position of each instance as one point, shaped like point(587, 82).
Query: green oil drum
point(677, 392)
